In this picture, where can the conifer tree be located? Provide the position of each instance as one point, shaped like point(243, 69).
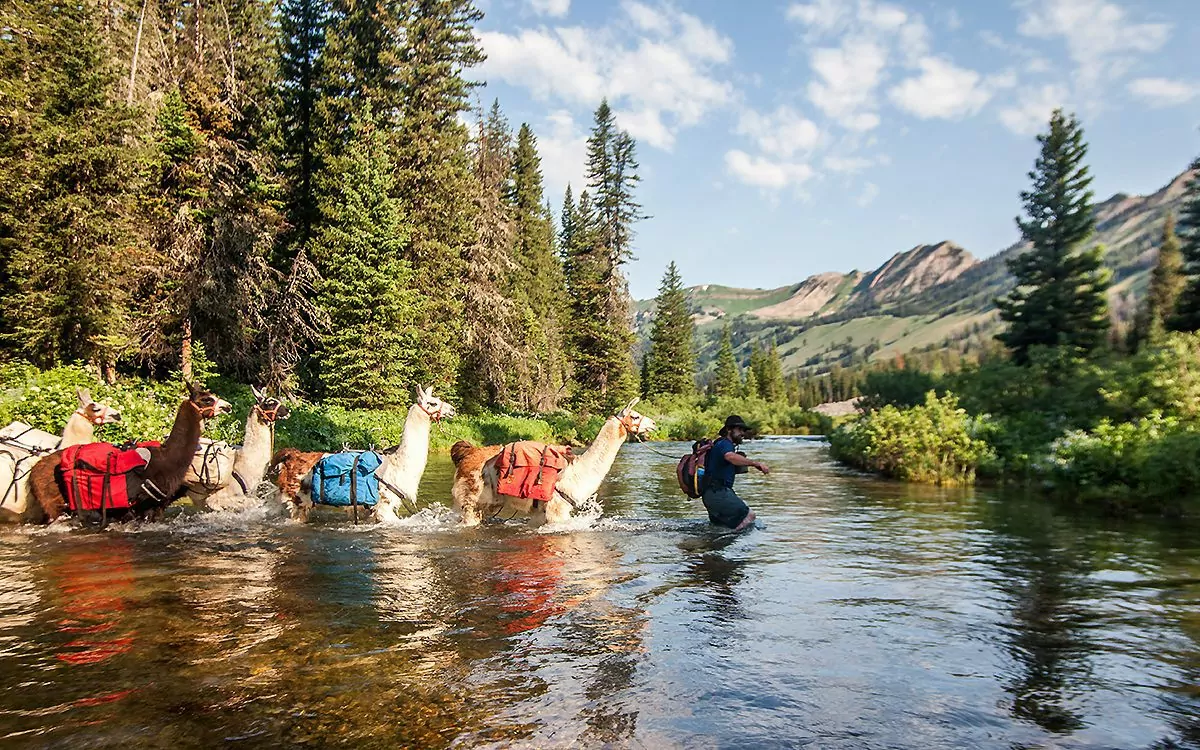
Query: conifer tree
point(601, 312)
point(495, 369)
point(1166, 284)
point(768, 372)
point(69, 182)
point(433, 180)
point(728, 379)
point(537, 279)
point(370, 355)
point(301, 41)
point(750, 384)
point(671, 362)
point(1187, 317)
point(1059, 298)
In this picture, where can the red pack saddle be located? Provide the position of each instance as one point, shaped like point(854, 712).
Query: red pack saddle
point(531, 470)
point(102, 476)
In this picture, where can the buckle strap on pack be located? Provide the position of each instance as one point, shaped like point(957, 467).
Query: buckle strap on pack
point(404, 499)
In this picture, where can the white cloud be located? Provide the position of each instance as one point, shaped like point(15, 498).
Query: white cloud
point(562, 144)
point(766, 173)
point(820, 16)
point(781, 133)
point(658, 66)
point(1101, 38)
point(1031, 114)
point(848, 164)
point(555, 8)
point(942, 90)
point(848, 76)
point(869, 194)
point(1164, 92)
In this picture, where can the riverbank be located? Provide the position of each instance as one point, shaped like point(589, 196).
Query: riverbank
point(46, 399)
point(1119, 430)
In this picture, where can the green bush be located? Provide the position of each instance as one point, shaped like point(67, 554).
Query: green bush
point(694, 418)
point(1147, 464)
point(934, 443)
point(900, 387)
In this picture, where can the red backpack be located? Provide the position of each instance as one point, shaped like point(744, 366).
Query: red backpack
point(690, 471)
point(102, 477)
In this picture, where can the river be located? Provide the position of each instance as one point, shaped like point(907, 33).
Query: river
point(861, 614)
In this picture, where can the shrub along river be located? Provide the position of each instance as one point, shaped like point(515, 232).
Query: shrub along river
point(864, 614)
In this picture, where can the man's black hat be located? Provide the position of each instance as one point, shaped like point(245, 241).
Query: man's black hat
point(732, 421)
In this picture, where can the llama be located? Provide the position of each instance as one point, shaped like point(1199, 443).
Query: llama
point(399, 474)
point(161, 479)
point(475, 475)
point(235, 488)
point(22, 446)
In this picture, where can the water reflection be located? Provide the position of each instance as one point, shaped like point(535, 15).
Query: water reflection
point(864, 614)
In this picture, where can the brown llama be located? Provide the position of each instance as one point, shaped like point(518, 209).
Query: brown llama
point(164, 473)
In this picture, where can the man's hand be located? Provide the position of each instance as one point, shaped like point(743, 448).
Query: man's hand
point(762, 467)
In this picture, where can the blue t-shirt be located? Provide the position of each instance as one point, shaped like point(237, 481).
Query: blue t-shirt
point(717, 471)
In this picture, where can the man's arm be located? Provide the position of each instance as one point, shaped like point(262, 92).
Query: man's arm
point(737, 459)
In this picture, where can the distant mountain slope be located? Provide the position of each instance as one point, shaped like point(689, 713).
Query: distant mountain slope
point(921, 298)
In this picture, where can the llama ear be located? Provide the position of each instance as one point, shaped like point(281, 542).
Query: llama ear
point(258, 395)
point(85, 396)
point(417, 392)
point(632, 404)
point(191, 387)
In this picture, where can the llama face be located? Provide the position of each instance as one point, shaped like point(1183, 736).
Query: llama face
point(269, 408)
point(434, 407)
point(634, 423)
point(207, 402)
point(95, 412)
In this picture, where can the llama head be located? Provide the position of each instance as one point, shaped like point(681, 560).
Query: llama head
point(634, 423)
point(206, 402)
point(268, 408)
point(93, 411)
point(434, 407)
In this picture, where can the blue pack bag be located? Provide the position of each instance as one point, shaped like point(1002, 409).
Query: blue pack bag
point(345, 479)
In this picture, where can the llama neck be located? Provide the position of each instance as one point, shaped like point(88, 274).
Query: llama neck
point(181, 444)
point(582, 478)
point(255, 454)
point(405, 467)
point(79, 430)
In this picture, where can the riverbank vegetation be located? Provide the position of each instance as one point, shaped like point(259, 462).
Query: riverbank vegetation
point(1077, 407)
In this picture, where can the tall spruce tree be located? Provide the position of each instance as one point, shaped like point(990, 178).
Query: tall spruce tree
point(301, 41)
point(493, 357)
point(1166, 284)
point(727, 381)
point(602, 313)
point(371, 353)
point(671, 361)
point(1059, 299)
point(768, 372)
point(69, 181)
point(537, 279)
point(433, 180)
point(1187, 317)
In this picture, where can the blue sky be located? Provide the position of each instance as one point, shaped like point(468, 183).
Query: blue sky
point(781, 139)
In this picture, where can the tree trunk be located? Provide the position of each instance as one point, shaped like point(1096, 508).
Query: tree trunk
point(185, 349)
point(137, 48)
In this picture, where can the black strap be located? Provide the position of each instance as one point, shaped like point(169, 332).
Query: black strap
point(241, 483)
point(354, 487)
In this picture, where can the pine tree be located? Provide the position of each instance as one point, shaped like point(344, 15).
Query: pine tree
point(671, 361)
point(537, 280)
point(1187, 317)
point(301, 42)
point(69, 183)
point(727, 382)
point(495, 369)
point(768, 373)
point(1059, 298)
point(601, 311)
point(370, 354)
point(1166, 284)
point(433, 180)
point(750, 384)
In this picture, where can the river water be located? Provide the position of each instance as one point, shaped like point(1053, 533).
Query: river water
point(863, 614)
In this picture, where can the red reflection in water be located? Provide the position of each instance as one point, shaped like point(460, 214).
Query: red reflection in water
point(95, 583)
point(531, 577)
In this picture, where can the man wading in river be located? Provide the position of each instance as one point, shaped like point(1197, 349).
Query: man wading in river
point(724, 507)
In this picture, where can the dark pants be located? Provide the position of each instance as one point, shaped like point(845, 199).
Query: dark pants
point(724, 507)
